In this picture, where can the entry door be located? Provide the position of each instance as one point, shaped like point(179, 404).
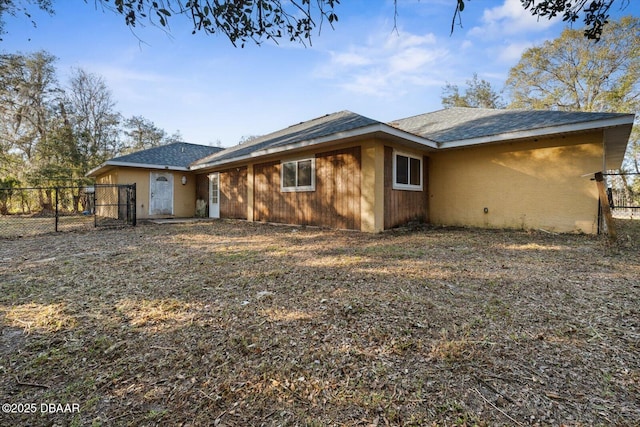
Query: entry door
point(161, 193)
point(214, 195)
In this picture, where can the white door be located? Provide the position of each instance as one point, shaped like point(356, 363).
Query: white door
point(161, 193)
point(214, 195)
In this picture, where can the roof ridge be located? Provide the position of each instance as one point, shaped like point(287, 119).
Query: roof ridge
point(318, 118)
point(307, 130)
point(262, 138)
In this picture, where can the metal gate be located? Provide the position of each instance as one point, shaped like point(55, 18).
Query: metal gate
point(623, 194)
point(114, 205)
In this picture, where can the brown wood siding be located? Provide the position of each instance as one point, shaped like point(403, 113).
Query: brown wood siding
point(401, 206)
point(335, 202)
point(233, 193)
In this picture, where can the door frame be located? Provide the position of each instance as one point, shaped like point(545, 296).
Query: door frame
point(153, 176)
point(214, 202)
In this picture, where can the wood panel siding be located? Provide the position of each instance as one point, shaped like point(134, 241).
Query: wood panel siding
point(334, 203)
point(233, 193)
point(402, 206)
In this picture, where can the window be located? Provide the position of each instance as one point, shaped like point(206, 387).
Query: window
point(407, 172)
point(298, 175)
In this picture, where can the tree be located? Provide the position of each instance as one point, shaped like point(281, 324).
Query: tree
point(239, 21)
point(142, 133)
point(296, 19)
point(50, 136)
point(7, 186)
point(93, 118)
point(13, 8)
point(479, 94)
point(257, 20)
point(569, 73)
point(248, 138)
point(28, 85)
point(596, 13)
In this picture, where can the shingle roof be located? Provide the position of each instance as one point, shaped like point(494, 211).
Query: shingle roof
point(329, 124)
point(458, 124)
point(453, 127)
point(177, 154)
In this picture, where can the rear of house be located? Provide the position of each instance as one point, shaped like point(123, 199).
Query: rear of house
point(335, 171)
point(164, 184)
point(464, 167)
point(520, 169)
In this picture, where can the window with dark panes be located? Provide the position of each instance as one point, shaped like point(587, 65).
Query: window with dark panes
point(402, 169)
point(298, 175)
point(289, 174)
point(304, 173)
point(414, 171)
point(407, 170)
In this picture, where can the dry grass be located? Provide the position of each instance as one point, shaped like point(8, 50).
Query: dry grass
point(231, 323)
point(12, 226)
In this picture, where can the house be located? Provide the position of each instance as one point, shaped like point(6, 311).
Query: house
point(165, 185)
point(459, 166)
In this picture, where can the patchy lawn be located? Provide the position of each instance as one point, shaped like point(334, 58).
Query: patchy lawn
point(232, 323)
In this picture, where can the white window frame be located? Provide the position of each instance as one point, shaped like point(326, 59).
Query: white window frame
point(408, 187)
point(297, 188)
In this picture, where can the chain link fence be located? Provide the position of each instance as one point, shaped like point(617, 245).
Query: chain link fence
point(39, 210)
point(115, 205)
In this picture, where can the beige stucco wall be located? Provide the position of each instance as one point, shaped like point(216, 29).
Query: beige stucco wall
point(184, 196)
point(372, 187)
point(524, 185)
point(111, 177)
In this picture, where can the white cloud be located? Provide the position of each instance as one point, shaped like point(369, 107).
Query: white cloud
point(509, 19)
point(512, 52)
point(402, 40)
point(348, 59)
point(386, 64)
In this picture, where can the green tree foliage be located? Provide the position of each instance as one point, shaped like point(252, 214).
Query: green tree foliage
point(296, 19)
point(571, 73)
point(53, 135)
point(28, 87)
point(595, 13)
point(479, 94)
point(258, 20)
point(7, 186)
point(142, 133)
point(93, 118)
point(254, 20)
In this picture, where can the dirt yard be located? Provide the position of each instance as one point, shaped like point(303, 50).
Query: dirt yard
point(238, 324)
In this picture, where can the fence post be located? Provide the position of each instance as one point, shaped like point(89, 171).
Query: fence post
point(95, 206)
point(604, 205)
point(56, 191)
point(133, 205)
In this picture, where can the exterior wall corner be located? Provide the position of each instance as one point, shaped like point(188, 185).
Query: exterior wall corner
point(372, 187)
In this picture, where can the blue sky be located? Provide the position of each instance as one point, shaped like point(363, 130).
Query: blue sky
point(210, 91)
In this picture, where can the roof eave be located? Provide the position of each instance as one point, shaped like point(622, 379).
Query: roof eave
point(616, 141)
point(109, 164)
point(543, 131)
